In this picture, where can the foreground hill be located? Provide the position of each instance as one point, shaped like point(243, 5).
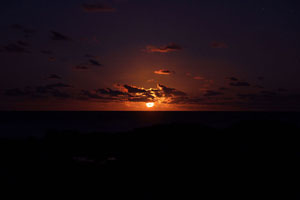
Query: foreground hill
point(252, 159)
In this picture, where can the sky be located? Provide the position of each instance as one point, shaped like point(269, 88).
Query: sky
point(181, 55)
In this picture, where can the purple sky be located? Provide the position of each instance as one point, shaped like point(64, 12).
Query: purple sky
point(121, 54)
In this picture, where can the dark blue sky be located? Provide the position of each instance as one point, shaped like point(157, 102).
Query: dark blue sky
point(118, 55)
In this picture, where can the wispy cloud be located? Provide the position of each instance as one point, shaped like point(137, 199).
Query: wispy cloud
point(210, 93)
point(198, 78)
point(163, 72)
point(15, 48)
point(218, 45)
point(59, 36)
point(233, 79)
point(54, 77)
point(94, 62)
point(28, 32)
point(240, 84)
point(164, 49)
point(81, 67)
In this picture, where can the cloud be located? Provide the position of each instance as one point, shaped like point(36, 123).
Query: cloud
point(233, 79)
point(54, 77)
point(261, 78)
point(58, 36)
point(47, 52)
point(22, 43)
point(258, 86)
point(90, 56)
point(50, 87)
point(59, 85)
point(150, 80)
point(268, 93)
point(134, 89)
point(14, 48)
point(25, 30)
point(86, 94)
point(223, 88)
point(164, 49)
point(170, 91)
point(218, 45)
point(16, 92)
point(110, 92)
point(97, 8)
point(198, 78)
point(282, 90)
point(81, 67)
point(240, 84)
point(17, 26)
point(52, 59)
point(52, 90)
point(163, 72)
point(60, 94)
point(210, 93)
point(132, 93)
point(94, 62)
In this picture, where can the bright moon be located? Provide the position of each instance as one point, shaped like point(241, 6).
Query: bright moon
point(150, 105)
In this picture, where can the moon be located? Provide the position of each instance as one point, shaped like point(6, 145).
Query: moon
point(150, 104)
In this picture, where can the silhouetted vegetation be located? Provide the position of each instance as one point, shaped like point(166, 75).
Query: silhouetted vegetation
point(250, 160)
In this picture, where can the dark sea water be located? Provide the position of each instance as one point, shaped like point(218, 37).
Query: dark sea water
point(24, 124)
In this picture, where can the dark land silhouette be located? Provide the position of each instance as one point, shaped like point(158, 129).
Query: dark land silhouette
point(252, 159)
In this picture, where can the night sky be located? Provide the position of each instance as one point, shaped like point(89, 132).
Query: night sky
point(121, 54)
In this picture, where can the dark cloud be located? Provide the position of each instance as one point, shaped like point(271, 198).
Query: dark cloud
point(54, 77)
point(198, 78)
point(170, 91)
point(258, 86)
point(247, 96)
point(53, 90)
point(97, 8)
point(223, 88)
point(22, 43)
point(94, 62)
point(240, 84)
point(210, 93)
point(233, 79)
point(163, 72)
point(58, 85)
point(110, 92)
point(58, 36)
point(164, 49)
point(60, 94)
point(14, 48)
point(81, 67)
point(218, 45)
point(90, 56)
point(47, 52)
point(52, 59)
point(17, 26)
point(261, 78)
point(25, 30)
point(93, 94)
point(282, 90)
point(134, 89)
point(16, 92)
point(51, 87)
point(268, 93)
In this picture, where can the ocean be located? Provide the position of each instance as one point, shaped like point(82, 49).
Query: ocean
point(37, 124)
